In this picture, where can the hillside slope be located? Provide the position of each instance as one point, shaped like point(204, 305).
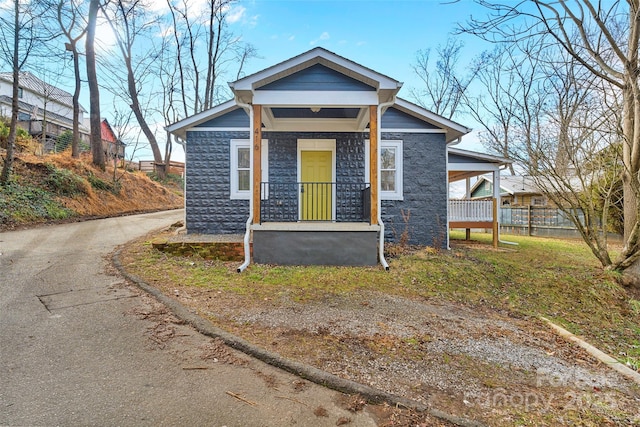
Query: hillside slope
point(56, 188)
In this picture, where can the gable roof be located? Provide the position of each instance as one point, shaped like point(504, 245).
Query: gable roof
point(310, 58)
point(453, 130)
point(319, 90)
point(180, 128)
point(106, 132)
point(482, 157)
point(510, 184)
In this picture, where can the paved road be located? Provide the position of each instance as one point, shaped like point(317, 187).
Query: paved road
point(79, 346)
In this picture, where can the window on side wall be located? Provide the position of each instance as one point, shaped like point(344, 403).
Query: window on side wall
point(390, 169)
point(240, 168)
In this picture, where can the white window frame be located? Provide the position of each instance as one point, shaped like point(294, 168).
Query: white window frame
point(398, 145)
point(234, 145)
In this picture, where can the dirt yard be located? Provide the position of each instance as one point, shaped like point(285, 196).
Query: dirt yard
point(475, 362)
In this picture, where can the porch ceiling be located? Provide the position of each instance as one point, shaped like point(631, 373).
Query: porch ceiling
point(314, 118)
point(460, 175)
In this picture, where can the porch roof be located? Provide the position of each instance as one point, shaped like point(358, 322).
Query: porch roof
point(464, 164)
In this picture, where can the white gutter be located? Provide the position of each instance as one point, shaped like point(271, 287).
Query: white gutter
point(383, 261)
point(247, 233)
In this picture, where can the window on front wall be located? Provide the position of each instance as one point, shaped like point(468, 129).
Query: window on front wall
point(240, 168)
point(243, 170)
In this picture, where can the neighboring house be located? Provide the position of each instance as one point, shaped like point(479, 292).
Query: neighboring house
point(111, 145)
point(317, 161)
point(45, 111)
point(515, 191)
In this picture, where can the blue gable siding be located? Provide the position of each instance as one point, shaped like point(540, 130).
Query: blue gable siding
point(396, 119)
point(317, 77)
point(237, 118)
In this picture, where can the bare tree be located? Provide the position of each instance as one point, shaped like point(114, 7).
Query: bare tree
point(578, 152)
point(443, 86)
point(508, 101)
point(604, 38)
point(94, 91)
point(19, 38)
point(178, 73)
point(68, 14)
point(198, 83)
point(132, 21)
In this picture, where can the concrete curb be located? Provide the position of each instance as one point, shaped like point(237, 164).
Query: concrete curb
point(598, 354)
point(304, 371)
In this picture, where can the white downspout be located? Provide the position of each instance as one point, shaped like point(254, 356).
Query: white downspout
point(383, 261)
point(247, 233)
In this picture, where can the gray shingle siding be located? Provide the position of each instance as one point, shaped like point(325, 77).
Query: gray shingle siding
point(209, 209)
point(424, 191)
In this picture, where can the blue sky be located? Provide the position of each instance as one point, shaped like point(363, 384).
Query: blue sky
point(384, 35)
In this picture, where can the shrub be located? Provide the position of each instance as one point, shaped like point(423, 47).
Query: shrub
point(21, 203)
point(64, 182)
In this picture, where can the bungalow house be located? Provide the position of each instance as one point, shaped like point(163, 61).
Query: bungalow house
point(515, 190)
point(317, 161)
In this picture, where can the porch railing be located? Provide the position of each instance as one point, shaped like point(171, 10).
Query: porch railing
point(314, 201)
point(470, 210)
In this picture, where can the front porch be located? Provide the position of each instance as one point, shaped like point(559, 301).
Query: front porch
point(316, 243)
point(320, 223)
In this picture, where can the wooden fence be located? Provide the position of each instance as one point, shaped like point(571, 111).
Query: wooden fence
point(149, 166)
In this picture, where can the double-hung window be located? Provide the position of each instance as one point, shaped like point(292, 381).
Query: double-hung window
point(390, 169)
point(240, 168)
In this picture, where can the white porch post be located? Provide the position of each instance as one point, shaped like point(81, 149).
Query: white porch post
point(496, 207)
point(467, 196)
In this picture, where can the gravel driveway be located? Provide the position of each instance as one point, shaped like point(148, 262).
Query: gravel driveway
point(468, 361)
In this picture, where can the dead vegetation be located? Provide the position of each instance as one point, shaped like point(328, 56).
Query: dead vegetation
point(57, 187)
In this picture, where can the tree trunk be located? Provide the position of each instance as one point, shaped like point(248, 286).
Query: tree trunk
point(11, 142)
point(137, 111)
point(75, 141)
point(94, 91)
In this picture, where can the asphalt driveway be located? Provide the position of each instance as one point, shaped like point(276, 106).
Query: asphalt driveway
point(78, 346)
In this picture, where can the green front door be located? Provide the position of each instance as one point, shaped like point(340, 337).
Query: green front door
point(316, 188)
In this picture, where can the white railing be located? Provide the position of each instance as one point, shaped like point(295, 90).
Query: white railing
point(471, 210)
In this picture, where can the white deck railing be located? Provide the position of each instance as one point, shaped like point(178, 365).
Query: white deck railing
point(471, 210)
